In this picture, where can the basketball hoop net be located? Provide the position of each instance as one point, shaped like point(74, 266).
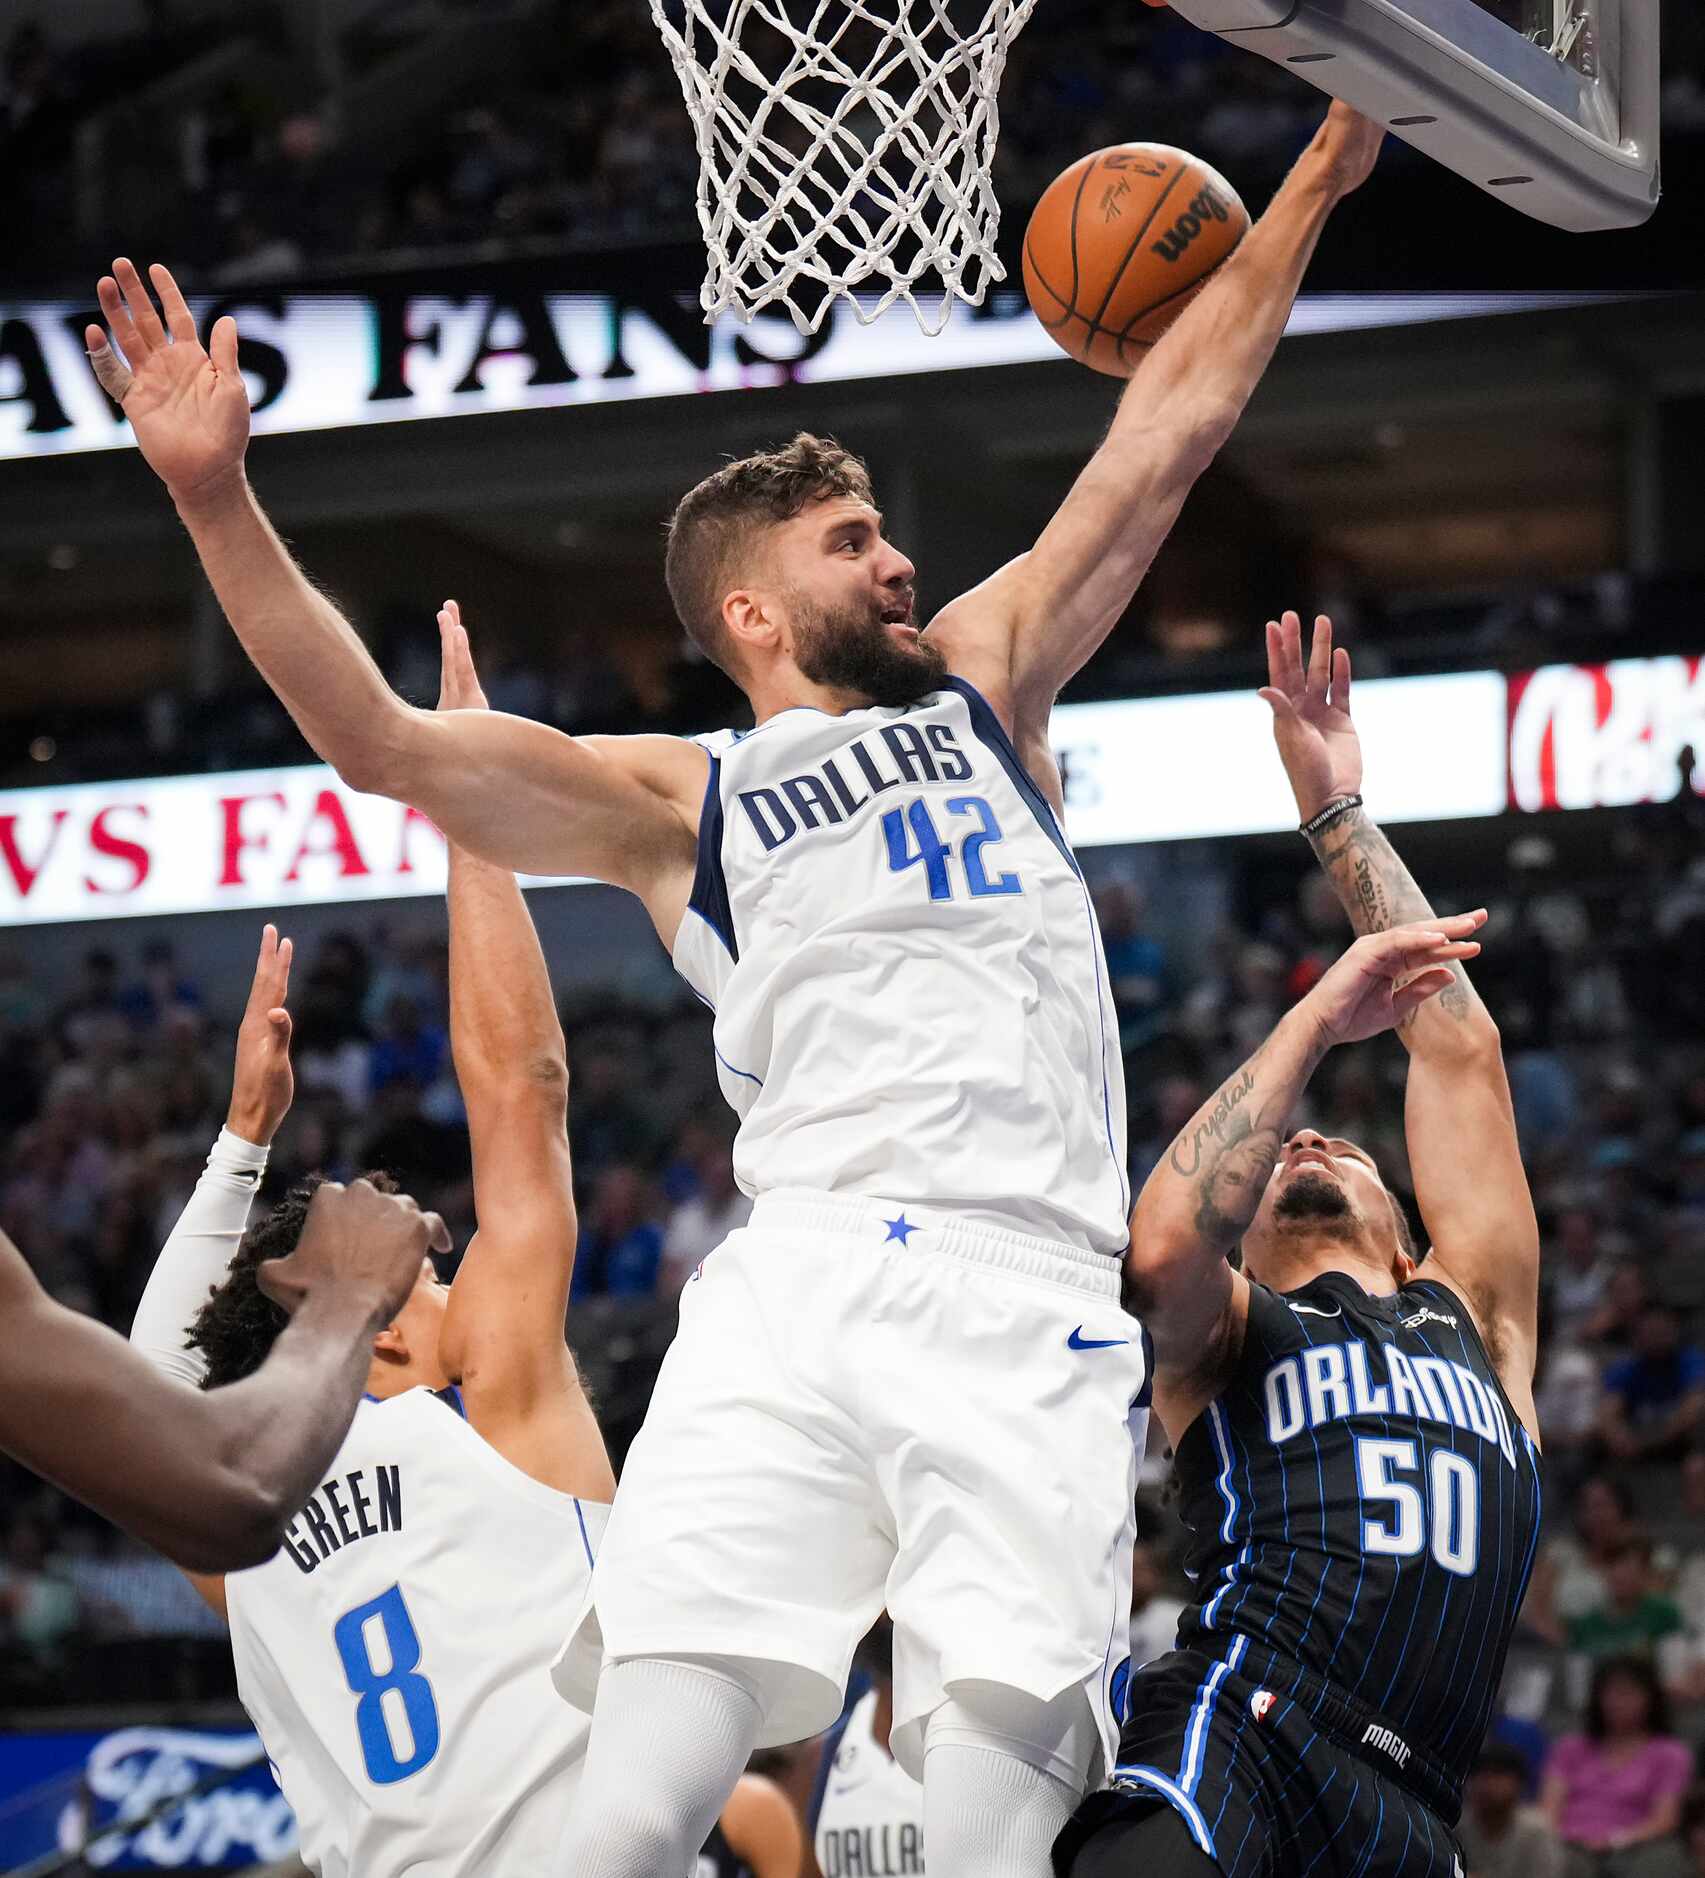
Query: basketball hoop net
point(844, 142)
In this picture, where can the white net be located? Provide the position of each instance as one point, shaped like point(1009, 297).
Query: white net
point(844, 144)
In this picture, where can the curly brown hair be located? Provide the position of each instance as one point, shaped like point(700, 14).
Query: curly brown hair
point(715, 521)
point(238, 1325)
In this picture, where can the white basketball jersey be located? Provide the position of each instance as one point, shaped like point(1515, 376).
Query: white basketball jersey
point(870, 1819)
point(395, 1655)
point(911, 999)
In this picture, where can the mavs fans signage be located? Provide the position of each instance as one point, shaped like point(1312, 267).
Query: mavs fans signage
point(142, 1799)
point(324, 361)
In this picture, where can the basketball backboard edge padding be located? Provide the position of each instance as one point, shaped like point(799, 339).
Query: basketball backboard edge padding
point(1477, 97)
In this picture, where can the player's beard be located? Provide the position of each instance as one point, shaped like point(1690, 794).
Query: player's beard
point(1314, 1204)
point(849, 649)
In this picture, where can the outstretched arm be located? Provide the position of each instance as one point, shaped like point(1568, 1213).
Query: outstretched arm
point(1023, 633)
point(1463, 1151)
point(194, 1259)
point(1199, 1201)
point(210, 1479)
point(621, 809)
point(503, 1329)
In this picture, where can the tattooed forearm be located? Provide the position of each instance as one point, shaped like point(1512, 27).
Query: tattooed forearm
point(1230, 1147)
point(1378, 892)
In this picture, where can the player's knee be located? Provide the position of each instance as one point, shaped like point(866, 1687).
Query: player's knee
point(1058, 1738)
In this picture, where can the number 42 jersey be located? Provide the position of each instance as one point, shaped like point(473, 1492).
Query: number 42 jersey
point(910, 994)
point(395, 1654)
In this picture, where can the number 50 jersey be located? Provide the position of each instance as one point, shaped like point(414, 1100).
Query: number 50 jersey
point(395, 1655)
point(1364, 1507)
point(910, 994)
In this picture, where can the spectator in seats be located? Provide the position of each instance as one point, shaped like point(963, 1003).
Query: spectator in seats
point(1572, 1574)
point(1568, 1395)
point(1175, 1098)
point(1577, 1272)
point(1136, 962)
point(1636, 1618)
point(1154, 1616)
point(621, 1243)
point(94, 1003)
point(1612, 1325)
point(159, 987)
point(1654, 1399)
point(702, 1221)
point(40, 1609)
point(1501, 1837)
point(407, 1046)
point(1689, 1582)
point(1614, 1791)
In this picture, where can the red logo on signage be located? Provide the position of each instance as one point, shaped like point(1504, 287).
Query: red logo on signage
point(1602, 736)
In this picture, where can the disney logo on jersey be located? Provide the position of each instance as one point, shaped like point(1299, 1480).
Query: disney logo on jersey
point(132, 1775)
point(1334, 1381)
point(1426, 1315)
point(892, 757)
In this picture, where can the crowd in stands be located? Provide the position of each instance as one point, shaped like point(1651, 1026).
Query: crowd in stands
point(110, 1094)
point(578, 137)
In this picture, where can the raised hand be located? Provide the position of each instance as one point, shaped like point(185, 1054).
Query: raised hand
point(458, 682)
point(1386, 977)
point(188, 407)
point(1317, 741)
point(264, 1085)
point(357, 1244)
point(1349, 145)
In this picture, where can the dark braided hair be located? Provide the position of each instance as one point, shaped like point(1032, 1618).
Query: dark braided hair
point(238, 1325)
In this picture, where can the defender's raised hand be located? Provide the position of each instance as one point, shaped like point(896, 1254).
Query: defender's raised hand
point(1384, 978)
point(264, 1086)
point(1317, 741)
point(458, 683)
point(188, 406)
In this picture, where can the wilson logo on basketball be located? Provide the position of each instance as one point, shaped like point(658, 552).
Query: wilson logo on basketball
point(1206, 206)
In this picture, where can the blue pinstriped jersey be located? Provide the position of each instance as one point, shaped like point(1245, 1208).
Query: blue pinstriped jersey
point(1363, 1500)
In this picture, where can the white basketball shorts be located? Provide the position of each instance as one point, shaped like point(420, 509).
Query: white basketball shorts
point(872, 1405)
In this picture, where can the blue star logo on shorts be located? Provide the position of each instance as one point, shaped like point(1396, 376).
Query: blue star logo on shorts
point(899, 1229)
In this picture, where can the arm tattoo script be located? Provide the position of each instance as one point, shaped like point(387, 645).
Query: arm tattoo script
point(1378, 891)
point(1228, 1155)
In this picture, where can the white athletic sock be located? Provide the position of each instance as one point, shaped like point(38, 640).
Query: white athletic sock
point(669, 1740)
point(987, 1815)
point(1002, 1774)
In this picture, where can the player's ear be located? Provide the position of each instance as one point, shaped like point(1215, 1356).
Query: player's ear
point(391, 1346)
point(747, 618)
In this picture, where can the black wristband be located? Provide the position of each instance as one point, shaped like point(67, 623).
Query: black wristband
point(1336, 809)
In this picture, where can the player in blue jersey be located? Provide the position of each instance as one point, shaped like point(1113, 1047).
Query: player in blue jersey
point(873, 891)
point(1354, 1425)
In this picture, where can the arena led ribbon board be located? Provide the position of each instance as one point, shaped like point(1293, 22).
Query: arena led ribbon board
point(1549, 105)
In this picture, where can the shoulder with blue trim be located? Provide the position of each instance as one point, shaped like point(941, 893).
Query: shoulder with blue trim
point(709, 896)
point(990, 731)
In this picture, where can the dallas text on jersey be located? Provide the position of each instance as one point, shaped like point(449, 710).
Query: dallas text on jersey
point(919, 754)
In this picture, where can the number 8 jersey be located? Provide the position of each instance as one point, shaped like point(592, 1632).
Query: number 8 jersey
point(395, 1654)
point(910, 994)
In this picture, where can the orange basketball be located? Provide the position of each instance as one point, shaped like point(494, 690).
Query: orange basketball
point(1121, 243)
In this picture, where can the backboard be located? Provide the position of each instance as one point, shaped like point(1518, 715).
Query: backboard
point(1550, 105)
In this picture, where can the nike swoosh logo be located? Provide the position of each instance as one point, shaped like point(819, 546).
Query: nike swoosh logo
point(1309, 1310)
point(1078, 1341)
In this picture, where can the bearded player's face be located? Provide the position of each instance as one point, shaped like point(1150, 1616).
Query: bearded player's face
point(1322, 1187)
point(846, 596)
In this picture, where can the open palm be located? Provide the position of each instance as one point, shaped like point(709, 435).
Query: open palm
point(1387, 976)
point(1317, 741)
point(188, 407)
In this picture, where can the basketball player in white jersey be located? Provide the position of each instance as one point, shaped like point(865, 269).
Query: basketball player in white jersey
point(929, 1408)
point(395, 1656)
